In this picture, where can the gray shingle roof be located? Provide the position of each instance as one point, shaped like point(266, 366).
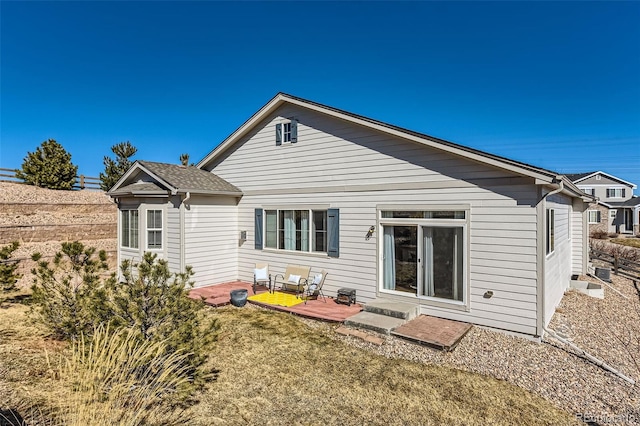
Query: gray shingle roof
point(631, 202)
point(190, 178)
point(140, 188)
point(577, 176)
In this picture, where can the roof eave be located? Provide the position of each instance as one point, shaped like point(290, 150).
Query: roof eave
point(210, 192)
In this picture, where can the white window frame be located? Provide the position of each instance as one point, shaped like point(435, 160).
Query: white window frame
point(155, 229)
point(550, 231)
point(613, 213)
point(615, 192)
point(597, 214)
point(462, 223)
point(129, 230)
point(285, 131)
point(311, 229)
point(589, 191)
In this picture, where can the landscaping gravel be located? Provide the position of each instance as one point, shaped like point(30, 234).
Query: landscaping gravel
point(608, 329)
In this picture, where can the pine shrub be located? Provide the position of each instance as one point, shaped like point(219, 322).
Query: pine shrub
point(8, 267)
point(114, 169)
point(49, 167)
point(155, 302)
point(68, 296)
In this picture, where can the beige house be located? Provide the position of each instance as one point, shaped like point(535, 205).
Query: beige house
point(617, 209)
point(389, 212)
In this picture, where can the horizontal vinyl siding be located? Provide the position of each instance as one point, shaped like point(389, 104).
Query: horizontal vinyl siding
point(211, 240)
point(332, 157)
point(172, 228)
point(578, 229)
point(558, 265)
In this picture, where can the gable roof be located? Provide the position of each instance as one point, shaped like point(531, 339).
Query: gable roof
point(542, 176)
point(172, 179)
point(578, 177)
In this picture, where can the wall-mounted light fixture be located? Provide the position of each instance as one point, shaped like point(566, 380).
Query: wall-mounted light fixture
point(487, 294)
point(243, 235)
point(369, 233)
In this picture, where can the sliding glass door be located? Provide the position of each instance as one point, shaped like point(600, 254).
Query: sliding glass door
point(442, 270)
point(425, 259)
point(400, 258)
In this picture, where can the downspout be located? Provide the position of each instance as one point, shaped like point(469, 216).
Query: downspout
point(181, 230)
point(589, 357)
point(542, 255)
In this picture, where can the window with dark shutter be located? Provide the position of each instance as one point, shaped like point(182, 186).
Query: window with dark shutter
point(258, 229)
point(333, 225)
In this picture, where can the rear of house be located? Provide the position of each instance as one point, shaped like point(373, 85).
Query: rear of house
point(392, 213)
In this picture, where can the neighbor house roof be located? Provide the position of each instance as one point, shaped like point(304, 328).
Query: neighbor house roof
point(631, 202)
point(172, 179)
point(542, 176)
point(578, 177)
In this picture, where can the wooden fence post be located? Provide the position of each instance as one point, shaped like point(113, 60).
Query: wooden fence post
point(81, 181)
point(615, 264)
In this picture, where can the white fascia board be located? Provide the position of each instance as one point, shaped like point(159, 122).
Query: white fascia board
point(243, 129)
point(135, 167)
point(428, 142)
point(280, 99)
point(632, 185)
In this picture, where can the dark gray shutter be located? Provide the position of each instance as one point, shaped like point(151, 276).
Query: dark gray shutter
point(258, 229)
point(294, 131)
point(278, 134)
point(333, 225)
point(623, 190)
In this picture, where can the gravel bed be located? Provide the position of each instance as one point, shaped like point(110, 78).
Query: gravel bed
point(21, 193)
point(608, 329)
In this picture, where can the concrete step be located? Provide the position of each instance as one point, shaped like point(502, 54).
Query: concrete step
point(375, 322)
point(390, 308)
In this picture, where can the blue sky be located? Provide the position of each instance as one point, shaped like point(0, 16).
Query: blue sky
point(556, 85)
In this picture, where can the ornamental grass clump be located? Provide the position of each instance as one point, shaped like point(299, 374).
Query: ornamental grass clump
point(113, 377)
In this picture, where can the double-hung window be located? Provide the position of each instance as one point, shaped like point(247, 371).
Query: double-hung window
point(129, 228)
point(287, 132)
point(297, 230)
point(593, 216)
point(154, 229)
point(590, 191)
point(615, 192)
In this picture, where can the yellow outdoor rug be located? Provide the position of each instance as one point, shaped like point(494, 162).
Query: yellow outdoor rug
point(276, 298)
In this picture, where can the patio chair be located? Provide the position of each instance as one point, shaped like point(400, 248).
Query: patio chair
point(314, 289)
point(295, 278)
point(261, 276)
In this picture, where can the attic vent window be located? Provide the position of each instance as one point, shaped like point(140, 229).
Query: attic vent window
point(286, 132)
point(598, 177)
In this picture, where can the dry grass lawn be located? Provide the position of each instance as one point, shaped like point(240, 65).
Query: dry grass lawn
point(274, 369)
point(630, 242)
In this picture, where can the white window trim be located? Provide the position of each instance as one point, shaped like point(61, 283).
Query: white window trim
point(589, 216)
point(462, 223)
point(121, 230)
point(548, 228)
point(283, 122)
point(590, 191)
point(613, 213)
point(310, 229)
point(615, 189)
point(161, 229)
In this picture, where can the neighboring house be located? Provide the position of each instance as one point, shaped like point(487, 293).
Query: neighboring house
point(617, 209)
point(463, 234)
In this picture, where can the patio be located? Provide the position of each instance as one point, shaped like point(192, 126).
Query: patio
point(218, 295)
